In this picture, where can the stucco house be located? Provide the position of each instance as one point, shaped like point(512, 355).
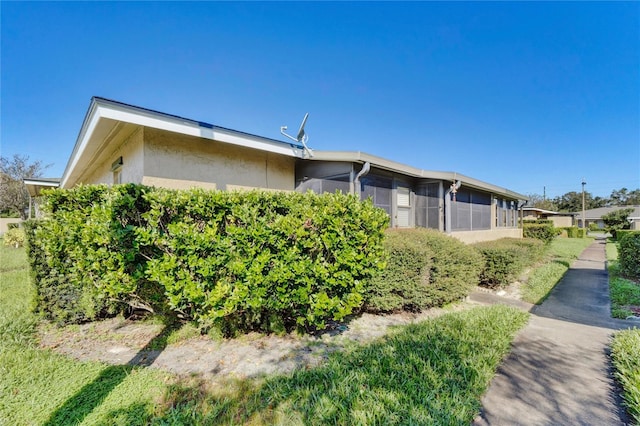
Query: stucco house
point(595, 216)
point(121, 143)
point(560, 220)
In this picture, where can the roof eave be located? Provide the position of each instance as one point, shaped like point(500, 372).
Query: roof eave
point(393, 166)
point(104, 109)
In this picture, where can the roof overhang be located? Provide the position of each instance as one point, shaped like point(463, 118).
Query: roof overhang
point(536, 209)
point(393, 166)
point(36, 185)
point(106, 118)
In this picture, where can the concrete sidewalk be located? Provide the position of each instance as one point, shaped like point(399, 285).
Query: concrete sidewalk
point(558, 372)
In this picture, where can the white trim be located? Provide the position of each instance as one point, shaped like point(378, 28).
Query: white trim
point(186, 127)
point(102, 109)
point(83, 139)
point(40, 182)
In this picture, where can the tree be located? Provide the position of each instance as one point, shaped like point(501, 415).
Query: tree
point(624, 197)
point(572, 202)
point(617, 220)
point(14, 198)
point(540, 202)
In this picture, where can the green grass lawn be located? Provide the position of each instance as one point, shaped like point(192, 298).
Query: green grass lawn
point(625, 347)
point(559, 256)
point(433, 372)
point(625, 352)
point(622, 292)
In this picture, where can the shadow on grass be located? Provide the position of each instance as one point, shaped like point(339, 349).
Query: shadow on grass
point(79, 406)
point(563, 262)
point(427, 373)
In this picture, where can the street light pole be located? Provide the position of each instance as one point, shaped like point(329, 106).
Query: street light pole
point(584, 223)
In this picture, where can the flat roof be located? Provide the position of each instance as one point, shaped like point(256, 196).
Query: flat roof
point(393, 166)
point(35, 185)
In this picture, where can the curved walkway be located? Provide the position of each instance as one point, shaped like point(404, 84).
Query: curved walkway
point(558, 372)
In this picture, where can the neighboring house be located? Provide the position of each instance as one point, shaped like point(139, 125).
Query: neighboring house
point(34, 187)
point(121, 143)
point(560, 220)
point(595, 216)
point(6, 221)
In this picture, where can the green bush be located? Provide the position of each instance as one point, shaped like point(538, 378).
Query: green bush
point(572, 231)
point(265, 261)
point(629, 255)
point(625, 353)
point(622, 232)
point(541, 231)
point(81, 252)
point(236, 261)
point(617, 220)
point(404, 283)
point(14, 237)
point(593, 227)
point(506, 258)
point(454, 268)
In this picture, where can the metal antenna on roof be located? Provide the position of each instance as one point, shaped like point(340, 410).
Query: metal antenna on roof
point(302, 137)
point(455, 185)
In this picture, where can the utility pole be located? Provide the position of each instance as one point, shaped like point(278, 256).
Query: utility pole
point(584, 223)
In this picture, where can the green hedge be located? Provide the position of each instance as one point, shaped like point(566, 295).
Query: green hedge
point(539, 222)
point(404, 283)
point(425, 268)
point(506, 258)
point(85, 258)
point(236, 261)
point(574, 232)
point(541, 231)
point(622, 232)
point(629, 254)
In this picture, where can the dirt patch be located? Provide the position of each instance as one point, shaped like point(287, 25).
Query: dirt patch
point(122, 341)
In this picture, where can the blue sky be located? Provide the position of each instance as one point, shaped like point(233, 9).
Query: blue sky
point(521, 95)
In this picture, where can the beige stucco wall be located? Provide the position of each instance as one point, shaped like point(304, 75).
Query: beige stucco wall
point(470, 237)
point(5, 221)
point(179, 161)
point(132, 153)
point(561, 221)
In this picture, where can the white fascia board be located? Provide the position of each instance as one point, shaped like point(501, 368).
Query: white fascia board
point(88, 126)
point(250, 141)
point(103, 109)
point(40, 182)
point(193, 128)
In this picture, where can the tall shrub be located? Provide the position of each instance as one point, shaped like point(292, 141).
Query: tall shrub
point(506, 258)
point(617, 220)
point(404, 283)
point(240, 261)
point(629, 255)
point(60, 256)
point(453, 269)
point(541, 231)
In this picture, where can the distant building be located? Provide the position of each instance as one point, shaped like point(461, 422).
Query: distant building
point(595, 216)
point(560, 220)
